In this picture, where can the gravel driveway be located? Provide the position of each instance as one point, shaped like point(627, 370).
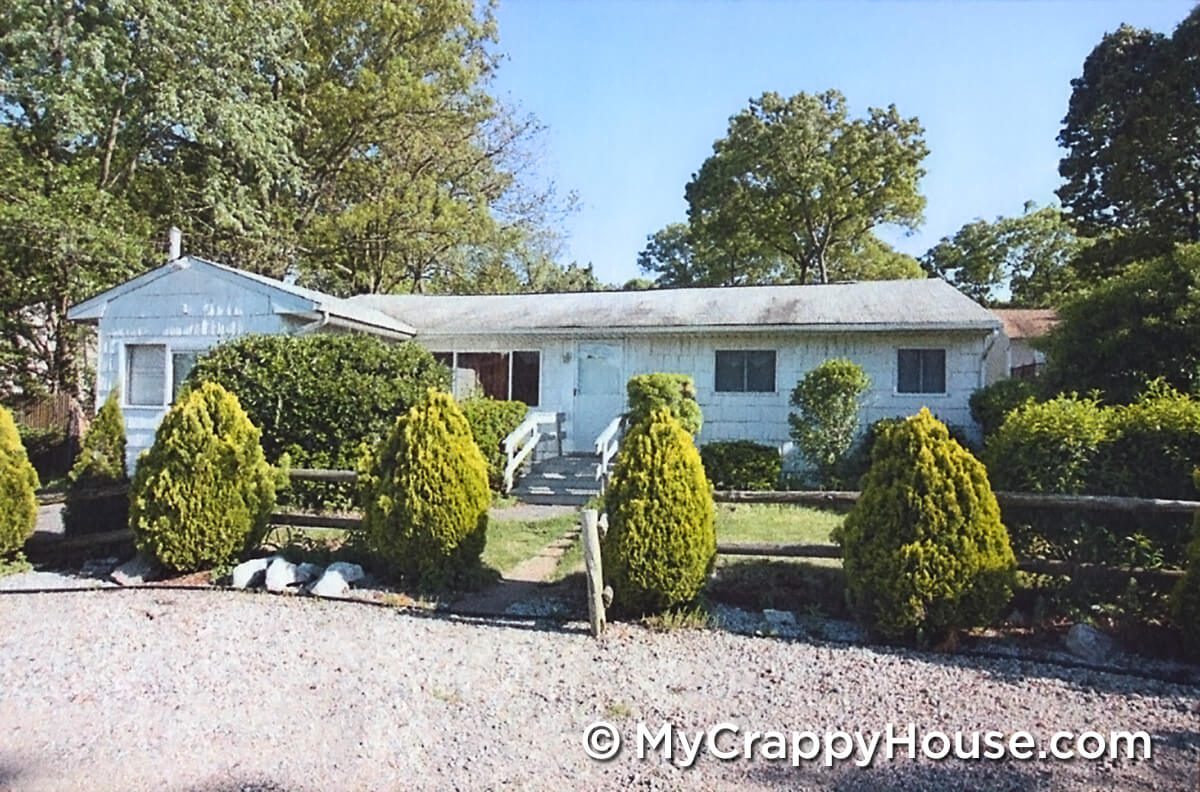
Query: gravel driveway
point(127, 690)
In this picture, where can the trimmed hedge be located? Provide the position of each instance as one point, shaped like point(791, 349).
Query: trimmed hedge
point(675, 392)
point(18, 487)
point(318, 398)
point(101, 463)
point(425, 495)
point(992, 404)
point(491, 421)
point(661, 542)
point(203, 492)
point(924, 551)
point(1076, 445)
point(741, 465)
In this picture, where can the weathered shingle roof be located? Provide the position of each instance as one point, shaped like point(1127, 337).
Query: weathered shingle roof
point(878, 305)
point(1026, 322)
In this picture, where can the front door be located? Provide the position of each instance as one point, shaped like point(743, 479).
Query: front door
point(599, 391)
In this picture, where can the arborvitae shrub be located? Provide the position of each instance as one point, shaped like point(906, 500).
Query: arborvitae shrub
point(828, 400)
point(425, 495)
point(100, 464)
point(661, 542)
point(491, 421)
point(741, 465)
point(924, 550)
point(18, 485)
point(992, 404)
point(1185, 600)
point(319, 397)
point(676, 392)
point(203, 492)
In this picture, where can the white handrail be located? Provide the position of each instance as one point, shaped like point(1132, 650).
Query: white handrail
point(521, 441)
point(607, 444)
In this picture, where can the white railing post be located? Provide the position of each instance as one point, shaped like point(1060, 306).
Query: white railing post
point(521, 442)
point(607, 444)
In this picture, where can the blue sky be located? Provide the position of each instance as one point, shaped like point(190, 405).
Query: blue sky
point(634, 94)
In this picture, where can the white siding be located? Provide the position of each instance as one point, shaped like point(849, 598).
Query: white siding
point(185, 310)
point(755, 416)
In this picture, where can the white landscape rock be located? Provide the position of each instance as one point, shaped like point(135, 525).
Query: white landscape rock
point(250, 573)
point(351, 573)
point(779, 618)
point(281, 574)
point(135, 571)
point(1087, 642)
point(306, 573)
point(331, 584)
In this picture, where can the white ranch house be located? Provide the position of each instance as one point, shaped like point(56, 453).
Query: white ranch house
point(569, 355)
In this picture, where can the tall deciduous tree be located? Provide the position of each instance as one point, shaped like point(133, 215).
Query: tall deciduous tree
point(1132, 134)
point(797, 183)
point(1029, 256)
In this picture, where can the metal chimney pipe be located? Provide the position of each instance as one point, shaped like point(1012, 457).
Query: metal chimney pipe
point(175, 244)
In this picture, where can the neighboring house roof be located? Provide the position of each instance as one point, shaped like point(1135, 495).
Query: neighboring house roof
point(304, 302)
point(922, 304)
point(1026, 323)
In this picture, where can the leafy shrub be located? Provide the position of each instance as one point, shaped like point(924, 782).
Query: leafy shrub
point(676, 392)
point(1052, 446)
point(1185, 600)
point(661, 540)
point(100, 464)
point(990, 405)
point(741, 465)
point(828, 399)
point(18, 485)
point(491, 421)
point(924, 550)
point(425, 495)
point(202, 493)
point(317, 398)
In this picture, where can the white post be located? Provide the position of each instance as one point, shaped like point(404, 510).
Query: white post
point(595, 574)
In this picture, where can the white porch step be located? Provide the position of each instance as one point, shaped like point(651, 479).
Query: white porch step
point(567, 480)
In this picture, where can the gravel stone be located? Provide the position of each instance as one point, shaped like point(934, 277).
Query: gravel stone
point(148, 690)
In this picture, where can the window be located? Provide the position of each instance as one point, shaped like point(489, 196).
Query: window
point(182, 363)
point(497, 375)
point(145, 374)
point(921, 371)
point(742, 371)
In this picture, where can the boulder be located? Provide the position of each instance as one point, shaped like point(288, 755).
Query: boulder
point(306, 573)
point(779, 618)
point(281, 574)
point(1088, 643)
point(136, 571)
point(351, 573)
point(250, 573)
point(331, 584)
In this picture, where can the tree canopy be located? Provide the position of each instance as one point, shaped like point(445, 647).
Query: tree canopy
point(1029, 255)
point(358, 143)
point(793, 193)
point(1131, 168)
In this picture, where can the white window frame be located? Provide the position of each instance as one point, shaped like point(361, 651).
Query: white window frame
point(745, 393)
point(168, 376)
point(945, 392)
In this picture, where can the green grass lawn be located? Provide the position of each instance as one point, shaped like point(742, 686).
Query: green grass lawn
point(509, 542)
point(784, 524)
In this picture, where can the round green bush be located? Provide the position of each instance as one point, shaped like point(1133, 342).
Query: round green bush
point(100, 464)
point(992, 404)
point(317, 398)
point(741, 465)
point(203, 492)
point(828, 400)
point(425, 495)
point(661, 541)
point(923, 549)
point(18, 486)
point(676, 392)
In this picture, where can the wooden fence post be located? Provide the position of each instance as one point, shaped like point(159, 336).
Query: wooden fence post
point(595, 575)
